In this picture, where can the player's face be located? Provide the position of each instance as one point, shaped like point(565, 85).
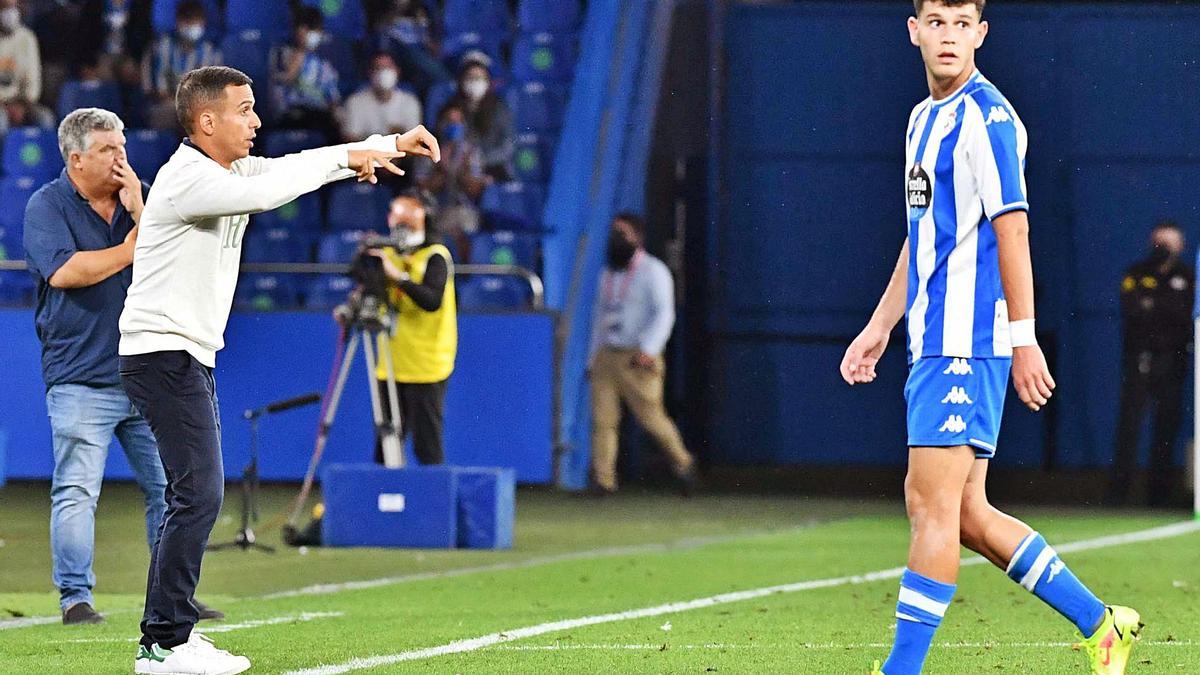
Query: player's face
point(97, 163)
point(234, 123)
point(948, 38)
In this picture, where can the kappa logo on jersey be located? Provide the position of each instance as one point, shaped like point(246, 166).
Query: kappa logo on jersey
point(954, 424)
point(1055, 567)
point(958, 367)
point(998, 113)
point(957, 396)
point(920, 191)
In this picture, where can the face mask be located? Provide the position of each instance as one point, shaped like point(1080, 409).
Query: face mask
point(410, 238)
point(454, 131)
point(475, 89)
point(10, 18)
point(192, 32)
point(312, 40)
point(620, 251)
point(385, 79)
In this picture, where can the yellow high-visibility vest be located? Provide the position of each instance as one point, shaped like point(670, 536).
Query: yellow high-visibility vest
point(423, 344)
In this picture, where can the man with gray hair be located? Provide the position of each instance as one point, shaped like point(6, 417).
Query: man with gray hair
point(79, 234)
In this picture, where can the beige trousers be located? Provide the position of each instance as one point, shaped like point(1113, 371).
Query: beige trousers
point(616, 379)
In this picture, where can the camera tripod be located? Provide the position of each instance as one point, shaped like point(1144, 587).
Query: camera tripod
point(366, 319)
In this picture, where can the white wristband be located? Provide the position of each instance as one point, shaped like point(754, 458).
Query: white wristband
point(1023, 333)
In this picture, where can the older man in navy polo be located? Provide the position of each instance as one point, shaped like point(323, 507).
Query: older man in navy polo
point(79, 234)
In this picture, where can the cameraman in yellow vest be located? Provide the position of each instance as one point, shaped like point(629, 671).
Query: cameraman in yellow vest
point(424, 338)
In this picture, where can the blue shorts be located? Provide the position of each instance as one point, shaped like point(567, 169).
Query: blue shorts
point(956, 402)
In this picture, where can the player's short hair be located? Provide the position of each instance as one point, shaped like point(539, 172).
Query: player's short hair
point(75, 128)
point(918, 4)
point(634, 220)
point(202, 86)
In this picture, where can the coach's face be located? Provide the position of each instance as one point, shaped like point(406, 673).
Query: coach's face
point(233, 124)
point(948, 37)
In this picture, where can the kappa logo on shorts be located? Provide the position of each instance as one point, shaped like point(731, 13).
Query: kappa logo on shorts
point(958, 367)
point(958, 396)
point(954, 424)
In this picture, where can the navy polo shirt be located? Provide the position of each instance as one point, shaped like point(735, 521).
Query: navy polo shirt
point(77, 326)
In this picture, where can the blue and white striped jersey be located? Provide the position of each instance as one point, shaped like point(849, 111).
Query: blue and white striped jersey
point(965, 156)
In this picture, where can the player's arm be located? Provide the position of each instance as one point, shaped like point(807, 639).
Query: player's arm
point(858, 365)
point(1030, 374)
point(416, 141)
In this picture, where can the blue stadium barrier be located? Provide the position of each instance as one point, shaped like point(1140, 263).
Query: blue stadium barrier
point(537, 106)
point(504, 248)
point(16, 288)
point(340, 247)
point(358, 206)
point(265, 293)
point(492, 292)
point(277, 245)
point(3, 451)
point(31, 152)
point(328, 291)
point(544, 57)
point(343, 18)
point(15, 192)
point(549, 16)
point(272, 17)
point(513, 206)
point(369, 505)
point(148, 150)
point(92, 94)
point(249, 51)
point(280, 143)
point(486, 505)
point(481, 16)
point(302, 215)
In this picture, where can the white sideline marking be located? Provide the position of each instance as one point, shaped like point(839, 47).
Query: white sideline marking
point(27, 621)
point(807, 645)
point(474, 644)
point(230, 627)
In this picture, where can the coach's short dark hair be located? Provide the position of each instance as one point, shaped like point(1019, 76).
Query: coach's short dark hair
point(918, 4)
point(201, 87)
point(634, 220)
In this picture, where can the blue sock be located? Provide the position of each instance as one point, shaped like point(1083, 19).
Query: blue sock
point(1039, 570)
point(922, 605)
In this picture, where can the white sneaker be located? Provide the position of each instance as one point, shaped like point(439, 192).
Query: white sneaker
point(197, 656)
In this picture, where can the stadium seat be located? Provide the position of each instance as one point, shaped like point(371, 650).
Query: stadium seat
point(11, 246)
point(148, 150)
point(490, 17)
point(272, 17)
point(544, 57)
point(248, 51)
point(328, 291)
point(342, 55)
point(265, 292)
point(512, 206)
point(16, 288)
point(340, 247)
point(14, 195)
point(163, 17)
point(504, 248)
point(32, 152)
point(91, 94)
point(537, 106)
point(344, 18)
point(548, 16)
point(302, 216)
point(277, 245)
point(280, 143)
point(358, 206)
point(437, 97)
point(533, 156)
point(487, 291)
point(458, 44)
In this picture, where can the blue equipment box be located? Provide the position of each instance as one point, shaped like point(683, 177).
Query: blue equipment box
point(486, 507)
point(369, 505)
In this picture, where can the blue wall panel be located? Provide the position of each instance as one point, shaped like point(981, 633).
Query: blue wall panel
point(498, 403)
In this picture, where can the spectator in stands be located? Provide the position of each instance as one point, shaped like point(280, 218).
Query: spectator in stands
point(20, 72)
point(172, 56)
point(424, 341)
point(305, 84)
point(79, 236)
point(458, 181)
point(380, 107)
point(489, 120)
point(632, 321)
point(403, 30)
point(1156, 305)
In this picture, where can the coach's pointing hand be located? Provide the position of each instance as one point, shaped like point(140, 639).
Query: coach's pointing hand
point(1031, 376)
point(364, 163)
point(418, 141)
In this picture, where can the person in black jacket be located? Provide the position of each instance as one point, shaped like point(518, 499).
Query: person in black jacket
point(1156, 307)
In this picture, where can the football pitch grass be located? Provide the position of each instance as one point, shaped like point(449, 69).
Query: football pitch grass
point(638, 583)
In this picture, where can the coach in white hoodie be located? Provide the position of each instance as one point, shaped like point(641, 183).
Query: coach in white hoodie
point(185, 271)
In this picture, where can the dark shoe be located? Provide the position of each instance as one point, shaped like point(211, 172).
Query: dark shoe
point(81, 613)
point(689, 483)
point(598, 492)
point(207, 613)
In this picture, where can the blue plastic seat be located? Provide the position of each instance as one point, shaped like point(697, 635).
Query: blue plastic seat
point(16, 288)
point(537, 106)
point(31, 152)
point(269, 16)
point(504, 248)
point(148, 150)
point(533, 157)
point(328, 291)
point(95, 94)
point(11, 246)
point(342, 55)
point(344, 18)
point(436, 98)
point(486, 291)
point(340, 247)
point(302, 216)
point(482, 16)
point(277, 245)
point(358, 206)
point(280, 143)
point(551, 16)
point(513, 206)
point(544, 57)
point(163, 17)
point(265, 292)
point(15, 192)
point(248, 50)
point(457, 44)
